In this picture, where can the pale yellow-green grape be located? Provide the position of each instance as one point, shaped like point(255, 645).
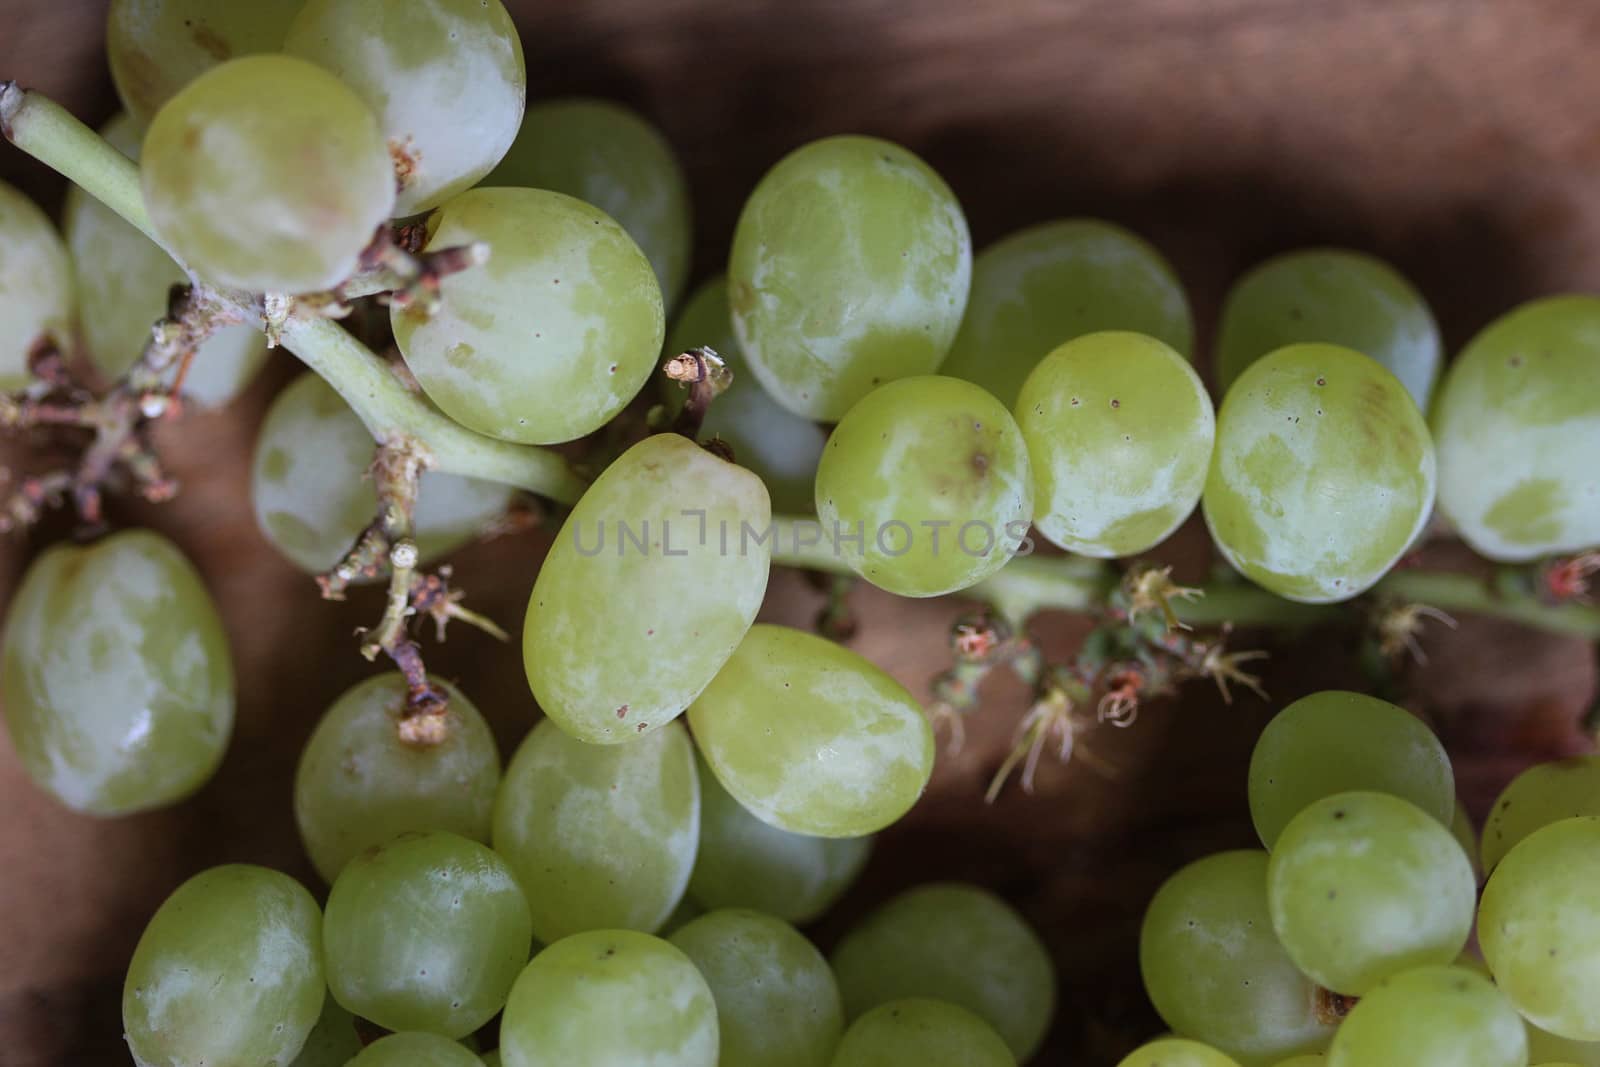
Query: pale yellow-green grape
point(267, 173)
point(745, 863)
point(415, 1049)
point(1362, 886)
point(601, 836)
point(610, 998)
point(1466, 836)
point(611, 157)
point(1428, 1016)
point(1539, 927)
point(1334, 296)
point(1176, 1052)
point(917, 1032)
point(1518, 428)
point(850, 268)
point(1215, 970)
point(332, 1042)
point(1045, 285)
point(930, 476)
point(548, 339)
point(955, 943)
point(634, 611)
point(1334, 742)
point(311, 486)
point(116, 675)
point(812, 738)
point(125, 278)
point(1119, 429)
point(1542, 794)
point(227, 974)
point(445, 78)
point(360, 783)
point(1322, 476)
point(37, 302)
point(156, 47)
point(426, 932)
point(777, 1001)
point(781, 447)
point(1545, 1048)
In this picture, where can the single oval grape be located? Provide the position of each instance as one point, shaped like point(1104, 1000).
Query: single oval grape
point(363, 780)
point(1323, 473)
point(812, 738)
point(652, 582)
point(552, 336)
point(1431, 1015)
point(782, 448)
point(930, 474)
point(601, 836)
point(116, 675)
point(954, 943)
point(1214, 968)
point(1539, 927)
point(1176, 1052)
point(415, 1050)
point(1362, 886)
point(1338, 742)
point(610, 997)
point(227, 974)
point(37, 300)
point(928, 1033)
point(1518, 427)
point(1334, 296)
point(1541, 795)
point(1119, 429)
point(609, 156)
point(850, 268)
point(446, 81)
point(777, 1001)
point(313, 496)
point(1049, 284)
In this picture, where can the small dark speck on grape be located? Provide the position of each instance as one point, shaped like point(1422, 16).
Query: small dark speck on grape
point(1339, 814)
point(1115, 402)
point(1322, 381)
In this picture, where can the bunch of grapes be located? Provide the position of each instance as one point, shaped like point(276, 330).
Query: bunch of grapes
point(626, 890)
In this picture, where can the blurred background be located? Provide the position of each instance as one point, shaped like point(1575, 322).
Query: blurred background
point(1455, 138)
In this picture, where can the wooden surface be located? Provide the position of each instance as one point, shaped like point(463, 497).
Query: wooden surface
point(1456, 137)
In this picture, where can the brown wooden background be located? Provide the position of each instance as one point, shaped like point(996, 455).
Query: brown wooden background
point(1459, 138)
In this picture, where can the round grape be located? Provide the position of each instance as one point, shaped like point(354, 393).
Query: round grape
point(928, 1033)
point(1431, 1015)
point(1539, 796)
point(415, 1050)
point(37, 302)
point(1176, 1052)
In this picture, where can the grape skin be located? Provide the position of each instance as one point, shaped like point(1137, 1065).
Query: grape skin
point(1548, 1050)
point(36, 287)
point(1431, 1015)
point(415, 1050)
point(928, 1033)
point(1176, 1052)
point(332, 1042)
point(1543, 794)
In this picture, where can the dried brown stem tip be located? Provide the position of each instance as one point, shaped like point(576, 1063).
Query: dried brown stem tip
point(707, 377)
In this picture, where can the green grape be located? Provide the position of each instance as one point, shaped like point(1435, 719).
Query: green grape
point(1176, 1052)
point(362, 780)
point(610, 998)
point(116, 675)
point(1336, 742)
point(227, 974)
point(1215, 970)
point(415, 1050)
point(777, 1001)
point(492, 1059)
point(850, 268)
point(552, 336)
point(955, 943)
point(745, 863)
point(1363, 886)
point(812, 738)
point(1467, 837)
point(601, 836)
point(1119, 428)
point(1048, 284)
point(606, 155)
point(332, 1041)
point(156, 47)
point(1547, 1049)
point(445, 79)
point(1323, 473)
point(1539, 927)
point(916, 459)
point(1431, 1015)
point(426, 932)
point(36, 288)
point(1539, 796)
point(924, 1033)
point(267, 173)
point(126, 277)
point(1333, 296)
point(782, 448)
point(313, 497)
point(1518, 426)
point(652, 582)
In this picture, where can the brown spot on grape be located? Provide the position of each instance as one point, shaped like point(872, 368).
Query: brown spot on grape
point(405, 157)
point(622, 712)
point(1115, 403)
point(210, 42)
